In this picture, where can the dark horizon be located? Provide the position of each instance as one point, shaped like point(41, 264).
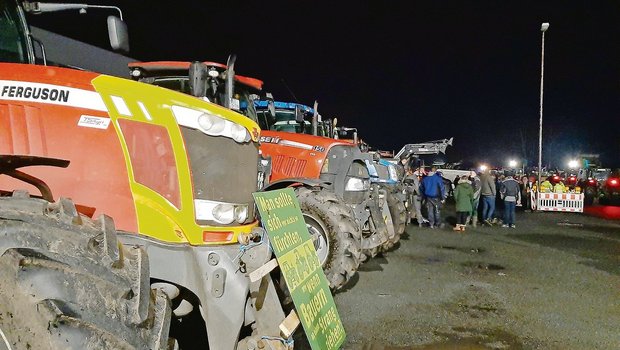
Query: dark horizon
point(410, 72)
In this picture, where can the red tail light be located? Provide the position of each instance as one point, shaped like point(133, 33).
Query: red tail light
point(613, 182)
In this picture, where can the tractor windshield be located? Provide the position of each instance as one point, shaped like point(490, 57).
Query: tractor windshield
point(14, 43)
point(283, 121)
point(242, 102)
point(174, 83)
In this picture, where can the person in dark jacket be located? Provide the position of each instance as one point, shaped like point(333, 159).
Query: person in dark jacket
point(511, 194)
point(464, 198)
point(433, 191)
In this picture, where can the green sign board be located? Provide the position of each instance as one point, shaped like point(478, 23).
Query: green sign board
point(294, 250)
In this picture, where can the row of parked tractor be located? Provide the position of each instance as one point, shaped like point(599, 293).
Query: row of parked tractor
point(127, 216)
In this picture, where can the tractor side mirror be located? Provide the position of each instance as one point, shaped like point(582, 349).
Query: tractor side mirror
point(119, 36)
point(271, 106)
point(198, 79)
point(299, 114)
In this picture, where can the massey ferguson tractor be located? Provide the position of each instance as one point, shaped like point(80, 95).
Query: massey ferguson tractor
point(329, 177)
point(176, 173)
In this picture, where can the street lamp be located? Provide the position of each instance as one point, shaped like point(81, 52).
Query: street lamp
point(543, 29)
point(573, 164)
point(512, 163)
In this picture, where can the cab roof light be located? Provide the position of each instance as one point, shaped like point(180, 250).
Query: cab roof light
point(284, 105)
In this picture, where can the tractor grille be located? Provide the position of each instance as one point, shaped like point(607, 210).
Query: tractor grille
point(21, 130)
point(289, 166)
point(222, 169)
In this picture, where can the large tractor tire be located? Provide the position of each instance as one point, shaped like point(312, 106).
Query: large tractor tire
point(338, 238)
point(66, 283)
point(399, 219)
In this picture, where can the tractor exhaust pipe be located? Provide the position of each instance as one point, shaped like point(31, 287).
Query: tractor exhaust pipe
point(230, 80)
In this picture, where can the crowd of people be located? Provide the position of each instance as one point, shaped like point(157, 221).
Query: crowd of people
point(477, 197)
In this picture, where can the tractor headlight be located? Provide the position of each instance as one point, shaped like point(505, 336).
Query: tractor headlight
point(239, 133)
point(211, 124)
point(241, 213)
point(220, 212)
point(224, 213)
point(357, 184)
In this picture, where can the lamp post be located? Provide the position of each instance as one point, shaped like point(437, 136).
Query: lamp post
point(543, 29)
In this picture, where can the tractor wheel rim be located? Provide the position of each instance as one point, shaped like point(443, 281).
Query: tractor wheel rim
point(4, 342)
point(321, 244)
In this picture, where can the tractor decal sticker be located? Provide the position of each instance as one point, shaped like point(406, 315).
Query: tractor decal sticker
point(52, 94)
point(296, 144)
point(90, 121)
point(121, 106)
point(277, 140)
point(268, 139)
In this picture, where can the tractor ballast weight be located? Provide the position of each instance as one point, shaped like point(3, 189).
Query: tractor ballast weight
point(137, 152)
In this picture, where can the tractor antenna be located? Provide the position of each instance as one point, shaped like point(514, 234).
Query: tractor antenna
point(289, 90)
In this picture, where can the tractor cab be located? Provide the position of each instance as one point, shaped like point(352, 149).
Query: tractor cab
point(292, 117)
point(206, 80)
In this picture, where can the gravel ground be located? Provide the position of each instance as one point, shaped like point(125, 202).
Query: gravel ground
point(551, 283)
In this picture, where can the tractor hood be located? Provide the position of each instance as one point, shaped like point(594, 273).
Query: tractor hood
point(301, 141)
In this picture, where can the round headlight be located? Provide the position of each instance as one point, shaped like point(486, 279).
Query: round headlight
point(211, 124)
point(241, 213)
point(240, 133)
point(224, 213)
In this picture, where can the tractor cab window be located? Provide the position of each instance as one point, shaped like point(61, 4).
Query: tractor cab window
point(246, 105)
point(285, 121)
point(13, 37)
point(174, 83)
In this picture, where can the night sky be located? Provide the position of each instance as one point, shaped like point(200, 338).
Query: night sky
point(410, 71)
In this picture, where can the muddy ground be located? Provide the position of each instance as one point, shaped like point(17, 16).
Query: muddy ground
point(553, 282)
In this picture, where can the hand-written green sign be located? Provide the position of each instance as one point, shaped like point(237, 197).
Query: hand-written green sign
point(294, 250)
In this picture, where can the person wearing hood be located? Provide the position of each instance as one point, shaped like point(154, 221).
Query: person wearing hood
point(464, 198)
point(510, 193)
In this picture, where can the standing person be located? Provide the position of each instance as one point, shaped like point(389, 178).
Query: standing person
point(464, 198)
point(499, 202)
point(412, 182)
point(433, 191)
point(532, 194)
point(487, 193)
point(477, 186)
point(526, 190)
point(510, 192)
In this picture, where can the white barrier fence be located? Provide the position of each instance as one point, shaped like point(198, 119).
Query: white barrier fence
point(570, 202)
